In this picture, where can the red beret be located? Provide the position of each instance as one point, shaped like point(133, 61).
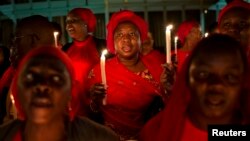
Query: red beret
point(87, 16)
point(119, 17)
point(184, 30)
point(231, 5)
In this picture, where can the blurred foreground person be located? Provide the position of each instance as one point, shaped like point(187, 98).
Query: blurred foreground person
point(44, 91)
point(210, 90)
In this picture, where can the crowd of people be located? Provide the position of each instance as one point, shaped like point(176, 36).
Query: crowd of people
point(55, 92)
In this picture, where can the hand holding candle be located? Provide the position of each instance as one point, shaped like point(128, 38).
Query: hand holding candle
point(103, 72)
point(168, 43)
point(55, 38)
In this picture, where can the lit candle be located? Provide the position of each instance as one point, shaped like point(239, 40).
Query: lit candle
point(13, 106)
point(12, 99)
point(103, 72)
point(175, 46)
point(55, 38)
point(206, 34)
point(168, 43)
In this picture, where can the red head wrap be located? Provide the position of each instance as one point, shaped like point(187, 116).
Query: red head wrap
point(184, 30)
point(122, 16)
point(231, 5)
point(87, 16)
point(49, 51)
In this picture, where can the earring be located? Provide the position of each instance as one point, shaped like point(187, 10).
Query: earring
point(85, 26)
point(69, 107)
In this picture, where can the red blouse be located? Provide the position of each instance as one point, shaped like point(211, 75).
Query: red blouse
point(190, 132)
point(129, 95)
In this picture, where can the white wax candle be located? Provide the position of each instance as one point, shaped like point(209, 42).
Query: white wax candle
point(12, 99)
point(55, 38)
point(168, 43)
point(175, 46)
point(103, 72)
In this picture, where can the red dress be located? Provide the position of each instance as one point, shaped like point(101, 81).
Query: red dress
point(181, 56)
point(84, 56)
point(129, 94)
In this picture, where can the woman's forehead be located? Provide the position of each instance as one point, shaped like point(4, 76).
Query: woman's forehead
point(220, 55)
point(48, 62)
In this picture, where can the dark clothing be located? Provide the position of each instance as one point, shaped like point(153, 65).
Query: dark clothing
point(5, 63)
point(80, 129)
point(5, 83)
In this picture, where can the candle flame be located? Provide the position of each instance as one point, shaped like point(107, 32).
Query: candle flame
point(12, 99)
point(169, 27)
point(56, 33)
point(55, 38)
point(104, 52)
point(175, 38)
point(206, 34)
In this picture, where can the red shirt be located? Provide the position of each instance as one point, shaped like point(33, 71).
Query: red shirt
point(191, 133)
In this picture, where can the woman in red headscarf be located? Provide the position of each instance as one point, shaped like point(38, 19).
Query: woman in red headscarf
point(45, 95)
point(211, 89)
point(233, 20)
point(188, 33)
point(133, 92)
point(85, 49)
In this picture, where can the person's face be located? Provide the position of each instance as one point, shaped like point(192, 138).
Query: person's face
point(127, 40)
point(194, 35)
point(215, 82)
point(22, 42)
point(44, 87)
point(147, 45)
point(234, 23)
point(76, 28)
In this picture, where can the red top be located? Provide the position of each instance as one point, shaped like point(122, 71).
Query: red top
point(84, 56)
point(190, 133)
point(18, 136)
point(129, 94)
point(181, 56)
